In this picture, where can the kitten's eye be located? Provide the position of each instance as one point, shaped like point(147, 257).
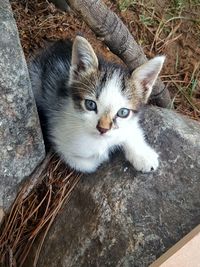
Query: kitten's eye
point(90, 105)
point(123, 112)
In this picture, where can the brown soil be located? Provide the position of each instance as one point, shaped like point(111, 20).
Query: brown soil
point(179, 38)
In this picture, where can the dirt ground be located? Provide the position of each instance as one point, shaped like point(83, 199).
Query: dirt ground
point(167, 27)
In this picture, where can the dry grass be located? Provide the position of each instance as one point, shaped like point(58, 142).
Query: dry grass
point(39, 22)
point(171, 28)
point(33, 212)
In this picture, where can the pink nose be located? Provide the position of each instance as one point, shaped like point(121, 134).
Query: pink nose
point(101, 130)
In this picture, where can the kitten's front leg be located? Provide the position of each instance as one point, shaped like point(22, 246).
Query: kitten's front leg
point(139, 153)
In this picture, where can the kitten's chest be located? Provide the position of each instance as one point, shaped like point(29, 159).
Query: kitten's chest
point(87, 146)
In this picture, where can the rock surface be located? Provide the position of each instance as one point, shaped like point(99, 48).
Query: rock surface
point(21, 142)
point(120, 217)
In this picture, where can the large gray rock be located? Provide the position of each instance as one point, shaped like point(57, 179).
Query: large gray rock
point(120, 217)
point(21, 144)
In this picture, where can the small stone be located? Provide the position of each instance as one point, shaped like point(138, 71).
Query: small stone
point(125, 169)
point(10, 98)
point(2, 214)
point(9, 148)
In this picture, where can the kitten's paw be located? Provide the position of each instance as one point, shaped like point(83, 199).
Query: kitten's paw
point(147, 161)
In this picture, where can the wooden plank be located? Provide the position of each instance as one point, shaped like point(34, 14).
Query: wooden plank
point(185, 253)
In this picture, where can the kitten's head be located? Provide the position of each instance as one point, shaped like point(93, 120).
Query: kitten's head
point(107, 96)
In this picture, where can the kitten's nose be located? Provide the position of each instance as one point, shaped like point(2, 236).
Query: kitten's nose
point(102, 130)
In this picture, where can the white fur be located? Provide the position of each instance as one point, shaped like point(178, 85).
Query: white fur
point(80, 143)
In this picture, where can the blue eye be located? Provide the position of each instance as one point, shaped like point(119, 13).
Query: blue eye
point(123, 112)
point(90, 105)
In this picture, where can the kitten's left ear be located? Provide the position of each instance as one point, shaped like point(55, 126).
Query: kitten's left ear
point(84, 58)
point(145, 76)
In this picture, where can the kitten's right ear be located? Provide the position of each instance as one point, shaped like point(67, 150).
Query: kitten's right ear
point(84, 59)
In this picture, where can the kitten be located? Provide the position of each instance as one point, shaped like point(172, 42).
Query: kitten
point(88, 107)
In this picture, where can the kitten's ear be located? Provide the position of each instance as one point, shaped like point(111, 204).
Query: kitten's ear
point(145, 76)
point(84, 58)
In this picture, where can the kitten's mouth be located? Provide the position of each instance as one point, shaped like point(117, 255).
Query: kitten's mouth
point(101, 135)
point(105, 135)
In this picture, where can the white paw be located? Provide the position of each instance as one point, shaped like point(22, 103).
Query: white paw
point(147, 161)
